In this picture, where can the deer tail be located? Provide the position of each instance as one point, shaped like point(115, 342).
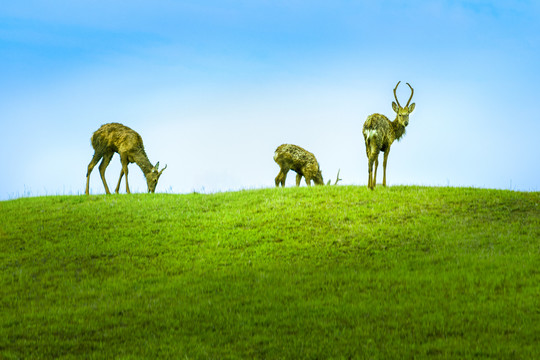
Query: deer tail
point(369, 133)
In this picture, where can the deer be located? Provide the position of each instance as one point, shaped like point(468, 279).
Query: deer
point(380, 133)
point(301, 161)
point(116, 138)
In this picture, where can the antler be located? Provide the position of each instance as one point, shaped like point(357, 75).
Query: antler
point(337, 177)
point(412, 92)
point(395, 93)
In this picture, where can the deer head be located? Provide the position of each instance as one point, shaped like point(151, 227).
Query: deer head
point(153, 176)
point(403, 112)
point(318, 179)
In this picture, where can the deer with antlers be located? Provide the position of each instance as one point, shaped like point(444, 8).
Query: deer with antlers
point(380, 133)
point(117, 138)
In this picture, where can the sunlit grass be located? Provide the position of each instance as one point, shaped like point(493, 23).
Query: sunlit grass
point(321, 272)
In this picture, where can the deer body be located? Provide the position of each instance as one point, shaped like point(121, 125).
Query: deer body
point(379, 134)
point(304, 163)
point(117, 138)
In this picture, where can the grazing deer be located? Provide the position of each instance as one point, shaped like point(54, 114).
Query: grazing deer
point(114, 137)
point(380, 133)
point(304, 163)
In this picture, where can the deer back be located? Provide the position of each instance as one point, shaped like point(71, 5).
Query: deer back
point(294, 157)
point(118, 138)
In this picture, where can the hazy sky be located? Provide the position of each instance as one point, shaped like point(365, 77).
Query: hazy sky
point(213, 87)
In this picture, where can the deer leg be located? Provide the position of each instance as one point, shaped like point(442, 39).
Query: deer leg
point(375, 172)
point(370, 170)
point(372, 153)
point(125, 162)
point(277, 180)
point(384, 165)
point(308, 181)
point(372, 159)
point(281, 177)
point(117, 190)
point(298, 179)
point(102, 167)
point(284, 177)
point(127, 184)
point(93, 163)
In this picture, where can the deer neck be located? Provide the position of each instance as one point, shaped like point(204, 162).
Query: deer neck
point(142, 161)
point(399, 130)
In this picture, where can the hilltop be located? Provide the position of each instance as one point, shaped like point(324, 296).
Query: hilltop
point(321, 272)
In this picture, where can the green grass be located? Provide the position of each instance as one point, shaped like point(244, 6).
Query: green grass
point(316, 273)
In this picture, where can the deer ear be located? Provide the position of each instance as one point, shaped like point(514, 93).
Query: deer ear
point(411, 107)
point(395, 106)
point(157, 166)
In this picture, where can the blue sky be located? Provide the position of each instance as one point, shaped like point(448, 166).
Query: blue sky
point(214, 87)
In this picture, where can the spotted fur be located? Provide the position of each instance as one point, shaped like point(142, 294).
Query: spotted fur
point(301, 161)
point(379, 134)
point(117, 138)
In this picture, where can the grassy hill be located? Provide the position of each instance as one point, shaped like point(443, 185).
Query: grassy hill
point(322, 272)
